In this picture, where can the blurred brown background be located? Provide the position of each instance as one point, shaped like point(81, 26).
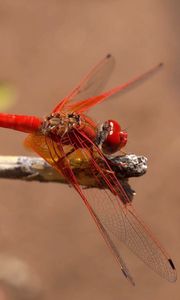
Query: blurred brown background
point(45, 48)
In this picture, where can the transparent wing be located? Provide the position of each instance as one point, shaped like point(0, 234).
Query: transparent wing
point(91, 84)
point(84, 105)
point(113, 214)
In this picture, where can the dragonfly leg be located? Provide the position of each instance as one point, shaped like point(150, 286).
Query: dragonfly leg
point(66, 155)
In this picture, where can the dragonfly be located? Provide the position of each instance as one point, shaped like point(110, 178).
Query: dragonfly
point(68, 133)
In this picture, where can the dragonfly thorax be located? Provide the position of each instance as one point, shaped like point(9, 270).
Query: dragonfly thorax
point(60, 123)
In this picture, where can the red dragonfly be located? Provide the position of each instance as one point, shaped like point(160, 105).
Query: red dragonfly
point(69, 132)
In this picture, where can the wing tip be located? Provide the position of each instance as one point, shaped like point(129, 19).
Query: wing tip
point(171, 264)
point(173, 276)
point(109, 55)
point(161, 64)
point(128, 276)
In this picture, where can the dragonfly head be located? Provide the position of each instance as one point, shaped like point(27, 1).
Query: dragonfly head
point(111, 137)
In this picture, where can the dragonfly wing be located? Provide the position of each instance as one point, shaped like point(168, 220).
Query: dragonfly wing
point(117, 222)
point(121, 221)
point(84, 105)
point(53, 154)
point(91, 84)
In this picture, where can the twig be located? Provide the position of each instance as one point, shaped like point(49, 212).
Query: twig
point(36, 169)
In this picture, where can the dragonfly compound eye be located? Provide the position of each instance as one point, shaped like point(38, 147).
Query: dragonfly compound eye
point(113, 138)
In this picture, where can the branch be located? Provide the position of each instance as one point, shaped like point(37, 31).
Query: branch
point(28, 169)
point(36, 169)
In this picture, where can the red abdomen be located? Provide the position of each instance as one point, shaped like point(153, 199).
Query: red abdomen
point(27, 124)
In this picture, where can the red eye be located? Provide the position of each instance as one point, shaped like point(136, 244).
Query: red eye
point(115, 138)
point(115, 127)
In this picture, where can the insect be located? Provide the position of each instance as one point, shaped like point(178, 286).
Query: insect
point(67, 132)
